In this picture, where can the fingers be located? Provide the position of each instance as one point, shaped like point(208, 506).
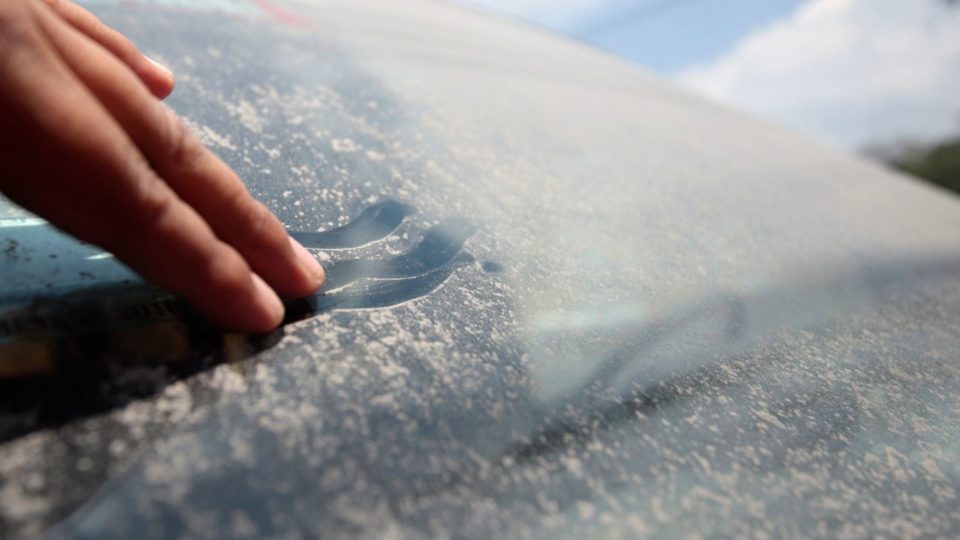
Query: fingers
point(195, 174)
point(158, 79)
point(70, 162)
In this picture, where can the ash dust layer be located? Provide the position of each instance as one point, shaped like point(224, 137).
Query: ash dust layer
point(323, 368)
point(640, 365)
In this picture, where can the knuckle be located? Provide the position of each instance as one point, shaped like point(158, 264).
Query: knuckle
point(10, 11)
point(151, 205)
point(128, 49)
point(259, 220)
point(259, 226)
point(55, 5)
point(228, 274)
point(17, 25)
point(153, 202)
point(25, 50)
point(184, 149)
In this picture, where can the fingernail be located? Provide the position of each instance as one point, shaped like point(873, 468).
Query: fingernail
point(267, 299)
point(161, 67)
point(308, 262)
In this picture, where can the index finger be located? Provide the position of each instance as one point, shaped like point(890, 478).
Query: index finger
point(197, 176)
point(70, 162)
point(158, 78)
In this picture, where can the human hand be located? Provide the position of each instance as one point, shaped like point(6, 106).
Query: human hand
point(86, 143)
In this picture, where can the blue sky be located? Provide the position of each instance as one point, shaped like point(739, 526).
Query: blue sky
point(664, 35)
point(851, 72)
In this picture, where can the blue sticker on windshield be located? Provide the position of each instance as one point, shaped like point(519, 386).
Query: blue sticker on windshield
point(133, 321)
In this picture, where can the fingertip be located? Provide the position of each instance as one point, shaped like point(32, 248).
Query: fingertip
point(269, 308)
point(162, 68)
point(309, 263)
point(159, 79)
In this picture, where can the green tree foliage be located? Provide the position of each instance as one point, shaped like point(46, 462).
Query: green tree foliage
point(938, 163)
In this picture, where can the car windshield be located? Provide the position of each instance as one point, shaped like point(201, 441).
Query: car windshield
point(565, 298)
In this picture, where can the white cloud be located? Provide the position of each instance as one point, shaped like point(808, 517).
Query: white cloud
point(850, 71)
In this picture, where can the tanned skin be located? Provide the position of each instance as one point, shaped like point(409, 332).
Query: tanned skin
point(87, 143)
